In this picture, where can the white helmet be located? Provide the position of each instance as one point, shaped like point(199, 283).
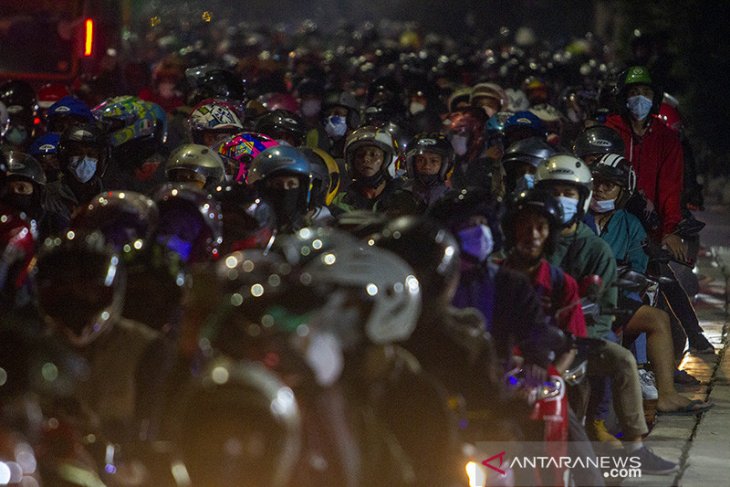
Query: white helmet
point(567, 169)
point(375, 277)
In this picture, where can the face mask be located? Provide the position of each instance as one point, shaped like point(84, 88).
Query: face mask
point(526, 182)
point(477, 241)
point(603, 206)
point(285, 203)
point(570, 208)
point(16, 135)
point(416, 107)
point(573, 116)
point(22, 202)
point(335, 126)
point(460, 144)
point(429, 179)
point(310, 108)
point(82, 169)
point(639, 106)
point(181, 247)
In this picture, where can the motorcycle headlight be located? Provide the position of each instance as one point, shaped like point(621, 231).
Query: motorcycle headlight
point(575, 375)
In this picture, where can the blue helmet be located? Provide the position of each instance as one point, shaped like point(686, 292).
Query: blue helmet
point(527, 120)
point(68, 106)
point(45, 145)
point(281, 160)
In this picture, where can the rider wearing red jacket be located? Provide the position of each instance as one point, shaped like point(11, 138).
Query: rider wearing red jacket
point(655, 153)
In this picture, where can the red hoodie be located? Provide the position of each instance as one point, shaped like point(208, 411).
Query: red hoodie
point(658, 161)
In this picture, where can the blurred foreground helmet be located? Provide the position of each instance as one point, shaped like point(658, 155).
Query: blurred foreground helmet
point(240, 426)
point(80, 283)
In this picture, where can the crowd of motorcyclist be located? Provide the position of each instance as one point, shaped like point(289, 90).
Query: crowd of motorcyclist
point(318, 267)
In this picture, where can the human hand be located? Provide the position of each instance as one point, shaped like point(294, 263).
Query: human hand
point(676, 246)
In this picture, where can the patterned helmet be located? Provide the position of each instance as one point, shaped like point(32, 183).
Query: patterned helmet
point(239, 150)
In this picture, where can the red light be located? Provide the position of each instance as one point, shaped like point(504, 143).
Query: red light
point(89, 37)
point(36, 121)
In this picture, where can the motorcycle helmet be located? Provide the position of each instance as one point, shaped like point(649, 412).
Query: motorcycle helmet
point(189, 222)
point(325, 177)
point(23, 168)
point(211, 120)
point(126, 219)
point(597, 140)
point(85, 140)
point(198, 164)
point(617, 169)
point(436, 143)
point(567, 169)
point(240, 424)
point(373, 136)
point(282, 125)
point(248, 220)
point(80, 285)
point(541, 202)
point(239, 150)
point(68, 111)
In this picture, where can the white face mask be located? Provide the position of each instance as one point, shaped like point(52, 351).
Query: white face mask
point(82, 169)
point(416, 107)
point(335, 126)
point(603, 206)
point(477, 241)
point(527, 181)
point(460, 144)
point(311, 108)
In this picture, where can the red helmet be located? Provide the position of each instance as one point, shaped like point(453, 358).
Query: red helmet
point(669, 114)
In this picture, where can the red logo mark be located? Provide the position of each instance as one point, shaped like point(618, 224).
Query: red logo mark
point(499, 455)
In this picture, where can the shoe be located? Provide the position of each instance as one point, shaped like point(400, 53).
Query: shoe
point(648, 385)
point(699, 344)
point(683, 378)
point(597, 431)
point(651, 463)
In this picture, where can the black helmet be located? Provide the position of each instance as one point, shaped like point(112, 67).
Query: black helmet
point(248, 220)
point(598, 139)
point(346, 100)
point(429, 248)
point(240, 424)
point(125, 218)
point(385, 88)
point(456, 207)
point(282, 125)
point(18, 96)
point(23, 166)
point(430, 142)
point(539, 201)
point(617, 169)
point(221, 83)
point(531, 150)
point(189, 223)
point(86, 135)
point(80, 284)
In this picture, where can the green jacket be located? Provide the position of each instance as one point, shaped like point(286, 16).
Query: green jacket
point(584, 253)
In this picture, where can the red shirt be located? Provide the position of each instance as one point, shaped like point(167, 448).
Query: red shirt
point(658, 160)
point(569, 314)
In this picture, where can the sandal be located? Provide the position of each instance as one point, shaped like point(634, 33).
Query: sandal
point(683, 378)
point(694, 407)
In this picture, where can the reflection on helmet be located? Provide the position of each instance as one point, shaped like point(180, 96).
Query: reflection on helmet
point(197, 159)
point(125, 218)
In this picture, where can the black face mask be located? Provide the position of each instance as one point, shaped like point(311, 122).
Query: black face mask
point(428, 179)
point(285, 203)
point(369, 181)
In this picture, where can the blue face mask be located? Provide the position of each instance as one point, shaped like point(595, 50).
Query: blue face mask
point(524, 183)
point(570, 208)
point(335, 126)
point(603, 206)
point(83, 169)
point(16, 135)
point(639, 106)
point(477, 241)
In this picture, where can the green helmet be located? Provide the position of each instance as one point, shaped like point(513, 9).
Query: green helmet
point(637, 75)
